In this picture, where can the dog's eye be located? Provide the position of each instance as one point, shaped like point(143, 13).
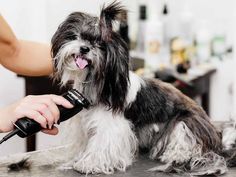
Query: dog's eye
point(89, 37)
point(93, 43)
point(71, 36)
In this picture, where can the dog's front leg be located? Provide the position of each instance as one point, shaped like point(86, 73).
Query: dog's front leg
point(111, 144)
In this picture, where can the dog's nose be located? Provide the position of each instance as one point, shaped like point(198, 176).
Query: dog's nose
point(84, 49)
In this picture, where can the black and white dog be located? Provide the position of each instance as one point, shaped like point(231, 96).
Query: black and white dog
point(128, 113)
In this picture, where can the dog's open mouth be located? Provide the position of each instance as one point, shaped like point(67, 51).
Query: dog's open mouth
point(81, 61)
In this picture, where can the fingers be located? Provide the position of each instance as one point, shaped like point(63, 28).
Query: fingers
point(59, 100)
point(51, 101)
point(35, 115)
point(49, 111)
point(52, 114)
point(39, 118)
point(43, 109)
point(53, 131)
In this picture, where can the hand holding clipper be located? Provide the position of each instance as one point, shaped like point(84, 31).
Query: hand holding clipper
point(26, 127)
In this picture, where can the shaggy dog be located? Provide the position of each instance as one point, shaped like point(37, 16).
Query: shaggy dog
point(128, 114)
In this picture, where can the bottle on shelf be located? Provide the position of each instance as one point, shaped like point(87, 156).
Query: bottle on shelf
point(203, 42)
point(166, 20)
point(153, 37)
point(141, 28)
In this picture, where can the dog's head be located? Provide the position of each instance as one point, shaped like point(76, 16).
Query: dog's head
point(88, 51)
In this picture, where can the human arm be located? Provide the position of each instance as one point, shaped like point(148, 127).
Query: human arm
point(41, 108)
point(21, 56)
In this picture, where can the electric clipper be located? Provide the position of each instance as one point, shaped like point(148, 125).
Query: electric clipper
point(26, 127)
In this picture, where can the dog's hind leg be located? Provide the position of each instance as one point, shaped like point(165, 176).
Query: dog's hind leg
point(183, 153)
point(179, 147)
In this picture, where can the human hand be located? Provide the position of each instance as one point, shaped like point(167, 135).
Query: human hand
point(41, 108)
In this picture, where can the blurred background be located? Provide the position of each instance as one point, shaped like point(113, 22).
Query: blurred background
point(189, 43)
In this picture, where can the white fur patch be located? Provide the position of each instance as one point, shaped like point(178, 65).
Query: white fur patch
point(65, 54)
point(107, 142)
point(183, 148)
point(208, 164)
point(135, 84)
point(182, 145)
point(66, 66)
point(228, 138)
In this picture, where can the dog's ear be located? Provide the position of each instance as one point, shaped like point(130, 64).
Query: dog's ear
point(107, 17)
point(116, 73)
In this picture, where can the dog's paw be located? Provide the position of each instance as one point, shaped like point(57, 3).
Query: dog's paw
point(89, 167)
point(66, 166)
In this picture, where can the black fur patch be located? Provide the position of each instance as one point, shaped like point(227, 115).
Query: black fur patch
point(158, 102)
point(116, 74)
point(21, 165)
point(151, 105)
point(107, 16)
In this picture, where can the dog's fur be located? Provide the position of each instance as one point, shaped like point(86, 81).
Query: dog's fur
point(128, 113)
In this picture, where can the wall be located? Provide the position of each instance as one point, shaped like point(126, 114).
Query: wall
point(234, 64)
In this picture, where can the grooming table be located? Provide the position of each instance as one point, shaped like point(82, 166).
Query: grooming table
point(139, 169)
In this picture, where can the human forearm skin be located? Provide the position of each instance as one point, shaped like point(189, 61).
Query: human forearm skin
point(29, 58)
point(23, 57)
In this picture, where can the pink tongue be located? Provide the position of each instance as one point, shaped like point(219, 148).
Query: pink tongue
point(81, 63)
